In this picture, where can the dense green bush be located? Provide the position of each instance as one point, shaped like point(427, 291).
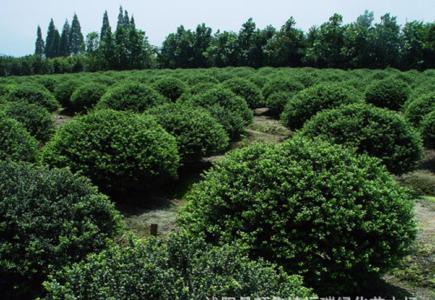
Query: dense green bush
point(15, 142)
point(428, 130)
point(36, 119)
point(388, 93)
point(64, 90)
point(335, 217)
point(277, 101)
point(245, 89)
point(49, 82)
point(281, 84)
point(417, 109)
point(118, 151)
point(229, 109)
point(422, 183)
point(130, 96)
point(170, 87)
point(201, 87)
point(198, 134)
point(308, 102)
point(87, 96)
point(49, 218)
point(180, 268)
point(34, 94)
point(375, 131)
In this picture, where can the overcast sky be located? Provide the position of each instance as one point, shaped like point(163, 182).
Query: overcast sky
point(19, 18)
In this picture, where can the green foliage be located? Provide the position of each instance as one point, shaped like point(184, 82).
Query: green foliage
point(170, 87)
point(181, 268)
point(281, 84)
point(388, 93)
point(64, 89)
point(198, 134)
point(15, 142)
point(130, 96)
point(245, 89)
point(420, 182)
point(277, 101)
point(321, 211)
point(118, 151)
point(36, 119)
point(50, 218)
point(229, 109)
point(34, 94)
point(417, 109)
point(308, 102)
point(87, 96)
point(428, 130)
point(368, 129)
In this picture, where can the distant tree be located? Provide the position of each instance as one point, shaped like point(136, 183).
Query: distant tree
point(202, 41)
point(77, 41)
point(224, 49)
point(65, 46)
point(92, 43)
point(386, 42)
point(106, 50)
point(178, 49)
point(52, 46)
point(39, 44)
point(413, 42)
point(286, 47)
point(429, 46)
point(105, 28)
point(246, 41)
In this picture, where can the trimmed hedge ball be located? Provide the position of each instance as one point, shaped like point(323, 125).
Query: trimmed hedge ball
point(280, 84)
point(50, 218)
point(229, 109)
point(16, 143)
point(388, 93)
point(36, 119)
point(34, 94)
point(308, 102)
point(118, 151)
point(64, 90)
point(428, 130)
point(368, 129)
point(171, 88)
point(180, 268)
point(319, 210)
point(131, 96)
point(87, 96)
point(198, 134)
point(417, 109)
point(245, 89)
point(277, 101)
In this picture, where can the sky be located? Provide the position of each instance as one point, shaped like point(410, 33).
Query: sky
point(20, 18)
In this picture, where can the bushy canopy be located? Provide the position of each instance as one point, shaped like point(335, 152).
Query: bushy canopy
point(245, 89)
point(428, 130)
point(388, 93)
point(170, 87)
point(116, 150)
point(337, 218)
point(415, 110)
point(34, 94)
point(87, 96)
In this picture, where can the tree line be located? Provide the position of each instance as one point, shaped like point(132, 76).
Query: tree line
point(333, 44)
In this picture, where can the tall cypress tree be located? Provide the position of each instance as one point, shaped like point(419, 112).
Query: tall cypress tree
point(77, 40)
point(105, 29)
point(39, 44)
point(106, 50)
point(52, 41)
point(120, 19)
point(65, 47)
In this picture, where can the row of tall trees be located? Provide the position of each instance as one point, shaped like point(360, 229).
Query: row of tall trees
point(333, 44)
point(361, 44)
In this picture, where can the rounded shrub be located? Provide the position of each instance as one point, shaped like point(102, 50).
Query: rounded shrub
point(388, 93)
point(170, 87)
point(308, 102)
point(229, 109)
point(428, 130)
point(281, 84)
point(118, 151)
point(50, 218)
point(34, 94)
point(201, 87)
point(15, 142)
point(36, 119)
point(198, 134)
point(181, 268)
point(64, 90)
point(368, 129)
point(130, 96)
point(49, 82)
point(245, 89)
point(277, 101)
point(87, 96)
point(417, 109)
point(319, 210)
